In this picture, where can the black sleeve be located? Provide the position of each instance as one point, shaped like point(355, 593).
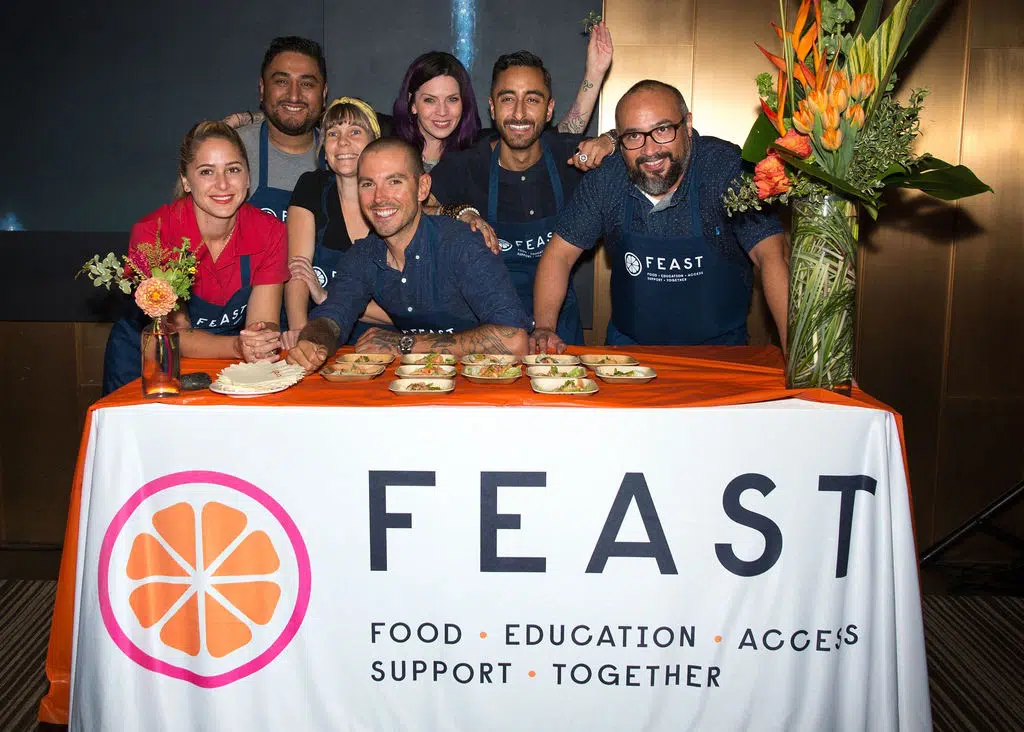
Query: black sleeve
point(307, 191)
point(448, 179)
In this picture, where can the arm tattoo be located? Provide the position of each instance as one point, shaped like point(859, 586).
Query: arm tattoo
point(386, 338)
point(321, 332)
point(575, 121)
point(482, 339)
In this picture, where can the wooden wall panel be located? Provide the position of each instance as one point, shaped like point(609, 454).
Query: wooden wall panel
point(649, 23)
point(40, 431)
point(986, 353)
point(997, 24)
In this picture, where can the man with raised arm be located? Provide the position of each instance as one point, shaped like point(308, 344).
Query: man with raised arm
point(682, 269)
point(442, 289)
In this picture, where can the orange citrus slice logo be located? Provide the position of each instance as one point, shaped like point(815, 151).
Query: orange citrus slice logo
point(203, 577)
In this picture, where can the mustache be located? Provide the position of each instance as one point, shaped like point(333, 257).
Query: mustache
point(653, 158)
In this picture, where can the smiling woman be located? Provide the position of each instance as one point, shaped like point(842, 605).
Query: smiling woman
point(240, 252)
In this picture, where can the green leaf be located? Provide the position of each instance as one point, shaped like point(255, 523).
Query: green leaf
point(817, 172)
point(918, 17)
point(869, 17)
point(759, 139)
point(883, 45)
point(941, 180)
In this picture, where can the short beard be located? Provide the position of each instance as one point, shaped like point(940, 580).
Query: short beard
point(526, 143)
point(292, 130)
point(654, 185)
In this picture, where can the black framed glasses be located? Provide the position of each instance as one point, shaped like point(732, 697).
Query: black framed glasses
point(662, 134)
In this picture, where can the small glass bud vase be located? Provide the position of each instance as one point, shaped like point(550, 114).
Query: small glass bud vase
point(161, 360)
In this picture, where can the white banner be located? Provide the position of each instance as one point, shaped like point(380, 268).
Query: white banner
point(735, 568)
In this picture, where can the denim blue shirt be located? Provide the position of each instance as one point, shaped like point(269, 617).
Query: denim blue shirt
point(595, 210)
point(459, 275)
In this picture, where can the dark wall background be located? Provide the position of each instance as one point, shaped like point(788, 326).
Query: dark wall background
point(98, 96)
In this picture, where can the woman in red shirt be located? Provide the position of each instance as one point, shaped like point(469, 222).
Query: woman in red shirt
point(241, 253)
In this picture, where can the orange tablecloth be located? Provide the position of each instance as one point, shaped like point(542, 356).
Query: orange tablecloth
point(701, 376)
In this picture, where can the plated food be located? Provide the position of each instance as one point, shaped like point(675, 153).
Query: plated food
point(553, 359)
point(566, 371)
point(422, 386)
point(426, 359)
point(347, 371)
point(626, 374)
point(607, 359)
point(477, 359)
point(256, 379)
point(434, 370)
point(381, 358)
point(563, 386)
point(492, 373)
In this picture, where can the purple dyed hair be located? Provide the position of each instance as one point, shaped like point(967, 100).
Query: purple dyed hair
point(422, 70)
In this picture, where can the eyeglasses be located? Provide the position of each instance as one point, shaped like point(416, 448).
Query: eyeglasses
point(662, 135)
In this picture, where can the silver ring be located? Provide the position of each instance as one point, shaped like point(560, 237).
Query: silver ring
point(583, 157)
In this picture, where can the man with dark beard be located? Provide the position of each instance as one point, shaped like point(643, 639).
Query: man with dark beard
point(520, 179)
point(682, 269)
point(293, 87)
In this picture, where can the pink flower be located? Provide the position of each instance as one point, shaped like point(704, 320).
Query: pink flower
point(156, 297)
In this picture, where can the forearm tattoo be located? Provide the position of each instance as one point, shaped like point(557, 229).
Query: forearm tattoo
point(482, 339)
point(386, 338)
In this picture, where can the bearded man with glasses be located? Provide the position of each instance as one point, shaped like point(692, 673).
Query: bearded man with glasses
point(682, 269)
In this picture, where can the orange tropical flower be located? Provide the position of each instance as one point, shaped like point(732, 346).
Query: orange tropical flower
point(776, 116)
point(862, 86)
point(839, 91)
point(830, 118)
point(794, 142)
point(803, 118)
point(770, 176)
point(831, 139)
point(817, 101)
point(855, 113)
point(156, 297)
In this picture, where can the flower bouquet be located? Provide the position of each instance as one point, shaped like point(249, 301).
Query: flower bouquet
point(161, 278)
point(830, 139)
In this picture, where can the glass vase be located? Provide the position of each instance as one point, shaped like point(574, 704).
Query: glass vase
point(822, 294)
point(161, 360)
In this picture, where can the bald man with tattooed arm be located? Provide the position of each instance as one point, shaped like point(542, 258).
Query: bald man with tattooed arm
point(443, 290)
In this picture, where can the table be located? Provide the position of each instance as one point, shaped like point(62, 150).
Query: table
point(708, 551)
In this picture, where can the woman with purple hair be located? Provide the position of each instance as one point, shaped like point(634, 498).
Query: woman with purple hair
point(436, 109)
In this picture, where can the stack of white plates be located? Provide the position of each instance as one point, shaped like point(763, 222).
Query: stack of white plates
point(254, 379)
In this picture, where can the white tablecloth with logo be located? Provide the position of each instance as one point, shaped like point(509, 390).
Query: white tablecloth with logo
point(477, 568)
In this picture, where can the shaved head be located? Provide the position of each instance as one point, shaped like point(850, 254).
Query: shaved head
point(391, 144)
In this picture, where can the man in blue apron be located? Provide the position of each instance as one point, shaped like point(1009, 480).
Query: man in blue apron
point(682, 269)
point(442, 289)
point(520, 179)
point(293, 89)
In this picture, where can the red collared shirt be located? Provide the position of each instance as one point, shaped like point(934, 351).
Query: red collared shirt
point(257, 234)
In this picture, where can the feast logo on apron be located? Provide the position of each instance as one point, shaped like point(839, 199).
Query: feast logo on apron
point(664, 269)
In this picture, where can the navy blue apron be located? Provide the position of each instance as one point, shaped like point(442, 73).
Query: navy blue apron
point(325, 259)
point(273, 201)
point(430, 319)
point(675, 290)
point(122, 358)
point(522, 244)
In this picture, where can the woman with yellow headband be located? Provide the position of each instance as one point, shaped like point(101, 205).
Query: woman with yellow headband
point(324, 217)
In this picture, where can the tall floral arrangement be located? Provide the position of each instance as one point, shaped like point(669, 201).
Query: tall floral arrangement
point(161, 277)
point(831, 138)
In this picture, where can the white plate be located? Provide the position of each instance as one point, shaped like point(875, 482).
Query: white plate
point(472, 373)
point(550, 386)
point(562, 359)
point(639, 375)
point(487, 359)
point(402, 386)
point(607, 359)
point(418, 358)
point(381, 358)
point(409, 372)
point(220, 389)
point(560, 371)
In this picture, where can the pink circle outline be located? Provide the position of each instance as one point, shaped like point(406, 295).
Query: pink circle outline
point(121, 639)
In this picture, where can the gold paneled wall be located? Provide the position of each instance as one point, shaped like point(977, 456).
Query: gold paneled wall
point(941, 298)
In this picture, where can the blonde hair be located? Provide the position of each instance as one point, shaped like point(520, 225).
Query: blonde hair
point(353, 111)
point(200, 133)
